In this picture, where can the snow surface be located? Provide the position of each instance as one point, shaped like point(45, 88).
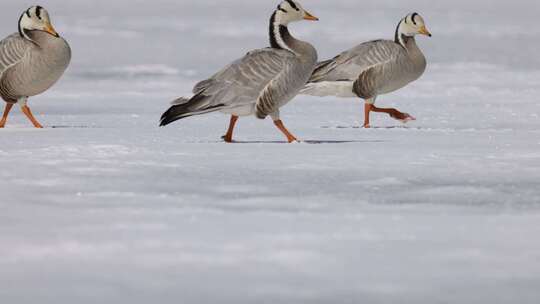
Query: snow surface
point(103, 206)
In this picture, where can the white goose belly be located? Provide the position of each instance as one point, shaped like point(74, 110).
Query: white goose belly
point(241, 111)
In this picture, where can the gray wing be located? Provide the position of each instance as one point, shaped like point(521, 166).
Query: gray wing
point(12, 51)
point(243, 81)
point(240, 83)
point(348, 65)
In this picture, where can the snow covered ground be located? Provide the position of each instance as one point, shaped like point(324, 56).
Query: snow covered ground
point(103, 206)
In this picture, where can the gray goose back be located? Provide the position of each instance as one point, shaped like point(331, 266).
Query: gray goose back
point(264, 80)
point(29, 68)
point(374, 68)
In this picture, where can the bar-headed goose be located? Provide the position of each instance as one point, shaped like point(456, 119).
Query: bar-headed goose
point(374, 68)
point(259, 83)
point(31, 61)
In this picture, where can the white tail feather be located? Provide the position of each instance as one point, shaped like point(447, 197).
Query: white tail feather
point(329, 88)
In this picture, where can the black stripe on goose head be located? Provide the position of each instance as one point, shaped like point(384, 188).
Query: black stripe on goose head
point(281, 9)
point(38, 11)
point(292, 4)
point(413, 17)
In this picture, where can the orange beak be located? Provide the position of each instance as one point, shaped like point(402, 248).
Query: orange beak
point(424, 31)
point(310, 17)
point(50, 29)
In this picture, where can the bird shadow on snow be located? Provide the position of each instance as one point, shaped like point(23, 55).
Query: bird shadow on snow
point(311, 142)
point(29, 129)
point(375, 128)
point(73, 127)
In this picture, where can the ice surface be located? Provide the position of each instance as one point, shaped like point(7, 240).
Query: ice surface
point(103, 206)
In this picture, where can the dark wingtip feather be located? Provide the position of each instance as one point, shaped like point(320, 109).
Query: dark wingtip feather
point(187, 108)
point(167, 117)
point(178, 110)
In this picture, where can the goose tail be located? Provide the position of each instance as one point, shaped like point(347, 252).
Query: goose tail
point(186, 107)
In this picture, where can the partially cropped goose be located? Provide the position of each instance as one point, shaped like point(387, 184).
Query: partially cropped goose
point(259, 83)
point(31, 61)
point(374, 68)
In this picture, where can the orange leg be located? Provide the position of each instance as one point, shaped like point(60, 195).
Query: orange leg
point(281, 127)
point(229, 136)
point(404, 117)
point(6, 114)
point(367, 109)
point(28, 113)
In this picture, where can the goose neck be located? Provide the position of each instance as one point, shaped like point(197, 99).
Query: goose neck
point(280, 37)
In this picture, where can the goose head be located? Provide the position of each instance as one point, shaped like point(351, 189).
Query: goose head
point(410, 26)
point(291, 11)
point(413, 24)
point(287, 11)
point(36, 18)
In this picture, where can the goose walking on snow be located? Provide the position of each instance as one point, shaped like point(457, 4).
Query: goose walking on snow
point(259, 83)
point(31, 61)
point(374, 68)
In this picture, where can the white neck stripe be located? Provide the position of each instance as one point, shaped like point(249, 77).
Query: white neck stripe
point(277, 35)
point(399, 32)
point(279, 39)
